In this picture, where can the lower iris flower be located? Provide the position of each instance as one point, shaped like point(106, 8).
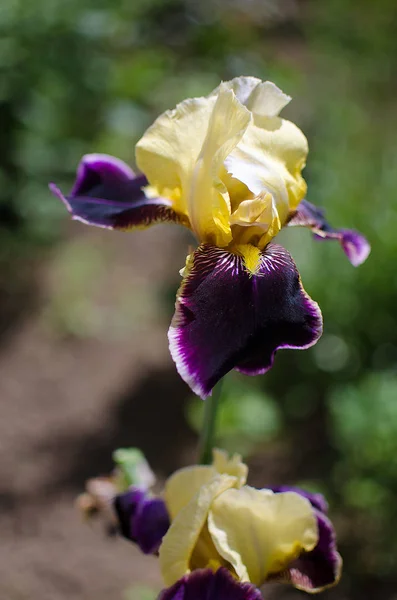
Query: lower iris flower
point(229, 168)
point(208, 518)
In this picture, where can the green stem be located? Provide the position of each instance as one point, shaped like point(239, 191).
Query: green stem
point(206, 441)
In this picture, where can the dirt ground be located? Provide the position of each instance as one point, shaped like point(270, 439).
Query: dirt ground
point(66, 403)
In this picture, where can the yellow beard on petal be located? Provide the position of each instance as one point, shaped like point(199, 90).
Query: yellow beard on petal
point(251, 257)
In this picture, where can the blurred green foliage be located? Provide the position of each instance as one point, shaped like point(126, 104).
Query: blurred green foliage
point(82, 76)
point(246, 415)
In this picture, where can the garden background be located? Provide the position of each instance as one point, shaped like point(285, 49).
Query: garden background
point(84, 364)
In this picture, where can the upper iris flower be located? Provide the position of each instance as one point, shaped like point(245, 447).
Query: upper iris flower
point(229, 168)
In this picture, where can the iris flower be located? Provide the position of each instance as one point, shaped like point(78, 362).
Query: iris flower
point(217, 522)
point(205, 584)
point(228, 168)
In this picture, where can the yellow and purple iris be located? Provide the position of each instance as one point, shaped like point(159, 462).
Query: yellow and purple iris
point(210, 527)
point(229, 168)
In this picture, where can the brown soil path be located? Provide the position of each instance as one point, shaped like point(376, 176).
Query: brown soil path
point(67, 401)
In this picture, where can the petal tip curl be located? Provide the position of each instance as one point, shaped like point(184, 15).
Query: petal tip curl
point(355, 246)
point(54, 189)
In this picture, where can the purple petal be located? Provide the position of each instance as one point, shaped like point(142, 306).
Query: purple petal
point(321, 568)
point(97, 169)
point(316, 500)
point(107, 194)
point(354, 245)
point(142, 519)
point(207, 585)
point(227, 318)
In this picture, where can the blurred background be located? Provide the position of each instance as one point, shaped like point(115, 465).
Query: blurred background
point(84, 364)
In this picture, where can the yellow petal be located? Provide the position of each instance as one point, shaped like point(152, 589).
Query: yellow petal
point(181, 539)
point(252, 210)
point(230, 466)
point(205, 555)
point(183, 485)
point(263, 98)
point(208, 200)
point(259, 532)
point(268, 162)
point(270, 159)
point(256, 221)
point(182, 156)
point(169, 149)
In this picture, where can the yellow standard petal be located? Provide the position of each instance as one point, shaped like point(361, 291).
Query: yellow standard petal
point(208, 200)
point(169, 149)
point(182, 156)
point(183, 537)
point(259, 532)
point(230, 466)
point(262, 98)
point(268, 162)
point(185, 483)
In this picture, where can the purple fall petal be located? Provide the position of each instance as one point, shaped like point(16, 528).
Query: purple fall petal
point(354, 245)
point(207, 585)
point(321, 568)
point(227, 318)
point(142, 519)
point(316, 500)
point(107, 194)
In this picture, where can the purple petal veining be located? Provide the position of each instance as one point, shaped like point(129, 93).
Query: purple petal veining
point(227, 318)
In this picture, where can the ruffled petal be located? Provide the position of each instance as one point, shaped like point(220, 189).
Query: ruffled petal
point(316, 500)
point(230, 466)
point(142, 519)
point(268, 160)
point(183, 536)
point(169, 148)
point(231, 314)
point(262, 98)
point(183, 152)
point(320, 568)
point(354, 245)
point(204, 584)
point(260, 533)
point(185, 483)
point(107, 194)
point(208, 200)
